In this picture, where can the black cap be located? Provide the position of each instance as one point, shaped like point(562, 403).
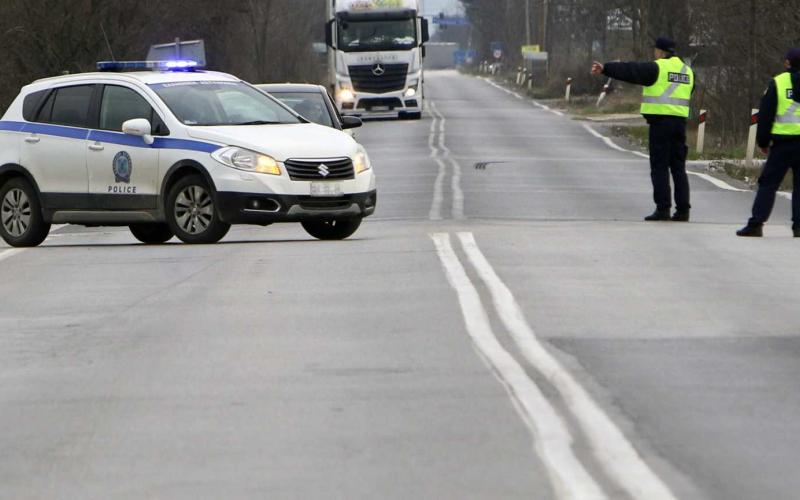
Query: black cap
point(793, 56)
point(666, 44)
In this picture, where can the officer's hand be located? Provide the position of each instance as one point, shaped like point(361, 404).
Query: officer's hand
point(765, 151)
point(597, 69)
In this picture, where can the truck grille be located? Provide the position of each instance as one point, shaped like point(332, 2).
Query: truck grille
point(392, 79)
point(319, 170)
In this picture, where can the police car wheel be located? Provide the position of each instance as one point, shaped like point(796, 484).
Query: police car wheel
point(21, 220)
point(152, 234)
point(332, 229)
point(192, 212)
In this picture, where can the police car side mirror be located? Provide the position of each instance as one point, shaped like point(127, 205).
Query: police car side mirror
point(349, 122)
point(140, 128)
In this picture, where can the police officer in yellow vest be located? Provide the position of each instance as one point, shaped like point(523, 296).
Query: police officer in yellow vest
point(668, 85)
point(778, 136)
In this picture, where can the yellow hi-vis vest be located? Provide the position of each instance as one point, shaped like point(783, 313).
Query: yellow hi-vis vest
point(787, 119)
point(672, 92)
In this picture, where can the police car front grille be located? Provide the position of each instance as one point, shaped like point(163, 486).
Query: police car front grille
point(317, 170)
point(365, 80)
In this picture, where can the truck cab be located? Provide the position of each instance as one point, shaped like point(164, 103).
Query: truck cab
point(377, 58)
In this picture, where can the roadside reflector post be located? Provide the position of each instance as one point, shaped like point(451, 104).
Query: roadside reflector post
point(568, 92)
point(530, 81)
point(701, 131)
point(606, 90)
point(751, 139)
point(519, 75)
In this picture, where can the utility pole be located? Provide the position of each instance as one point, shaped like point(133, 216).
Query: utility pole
point(545, 5)
point(528, 22)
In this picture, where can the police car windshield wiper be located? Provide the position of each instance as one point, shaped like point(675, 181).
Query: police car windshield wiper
point(258, 122)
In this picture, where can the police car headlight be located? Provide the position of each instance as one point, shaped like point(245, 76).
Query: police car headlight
point(244, 159)
point(361, 162)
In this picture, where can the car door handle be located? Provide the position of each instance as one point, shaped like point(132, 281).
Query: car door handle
point(96, 147)
point(32, 139)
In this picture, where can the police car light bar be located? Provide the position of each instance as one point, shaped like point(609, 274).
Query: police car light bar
point(147, 65)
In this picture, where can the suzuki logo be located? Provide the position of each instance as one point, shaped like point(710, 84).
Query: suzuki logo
point(323, 170)
point(378, 70)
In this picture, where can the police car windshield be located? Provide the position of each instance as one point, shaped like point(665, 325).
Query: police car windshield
point(214, 104)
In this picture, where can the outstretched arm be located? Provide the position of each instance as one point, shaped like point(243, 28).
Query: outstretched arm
point(645, 74)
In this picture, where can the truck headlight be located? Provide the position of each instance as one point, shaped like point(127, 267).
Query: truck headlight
point(346, 95)
point(361, 162)
point(244, 159)
point(411, 92)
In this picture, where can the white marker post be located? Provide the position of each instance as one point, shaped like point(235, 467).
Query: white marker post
point(751, 139)
point(519, 76)
point(701, 131)
point(568, 93)
point(530, 81)
point(606, 90)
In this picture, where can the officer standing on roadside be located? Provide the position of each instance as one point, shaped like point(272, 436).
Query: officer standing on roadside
point(668, 85)
point(779, 137)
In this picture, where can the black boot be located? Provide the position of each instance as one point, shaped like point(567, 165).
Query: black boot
point(751, 231)
point(681, 216)
point(657, 216)
point(796, 232)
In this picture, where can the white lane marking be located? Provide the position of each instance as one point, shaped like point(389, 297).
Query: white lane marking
point(435, 213)
point(455, 184)
point(458, 193)
point(612, 449)
point(608, 140)
point(719, 183)
point(553, 442)
point(438, 194)
point(515, 94)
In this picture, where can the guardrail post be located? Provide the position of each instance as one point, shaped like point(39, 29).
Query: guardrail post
point(568, 92)
point(606, 90)
point(701, 131)
point(751, 139)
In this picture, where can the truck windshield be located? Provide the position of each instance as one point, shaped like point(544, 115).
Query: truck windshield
point(208, 104)
point(369, 36)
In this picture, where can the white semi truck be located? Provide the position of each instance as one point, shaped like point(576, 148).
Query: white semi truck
point(376, 61)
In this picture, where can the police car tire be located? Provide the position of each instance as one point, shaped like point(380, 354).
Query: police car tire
point(332, 229)
point(38, 229)
point(216, 230)
point(412, 116)
point(152, 234)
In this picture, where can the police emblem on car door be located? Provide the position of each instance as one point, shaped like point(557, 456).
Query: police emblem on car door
point(123, 167)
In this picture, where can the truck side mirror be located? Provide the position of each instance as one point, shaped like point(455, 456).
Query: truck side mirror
point(329, 33)
point(426, 34)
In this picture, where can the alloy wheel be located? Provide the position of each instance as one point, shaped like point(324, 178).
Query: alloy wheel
point(15, 212)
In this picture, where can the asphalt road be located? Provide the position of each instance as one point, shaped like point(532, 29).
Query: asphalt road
point(508, 332)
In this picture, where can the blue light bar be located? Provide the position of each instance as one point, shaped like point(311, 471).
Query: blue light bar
point(147, 65)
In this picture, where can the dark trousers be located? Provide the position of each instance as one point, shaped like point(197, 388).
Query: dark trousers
point(782, 157)
point(668, 151)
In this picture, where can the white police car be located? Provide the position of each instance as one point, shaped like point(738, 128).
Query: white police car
point(172, 153)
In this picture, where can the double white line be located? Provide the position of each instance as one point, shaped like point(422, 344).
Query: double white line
point(553, 441)
point(441, 154)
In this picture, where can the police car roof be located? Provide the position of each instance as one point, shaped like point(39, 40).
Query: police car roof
point(145, 77)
